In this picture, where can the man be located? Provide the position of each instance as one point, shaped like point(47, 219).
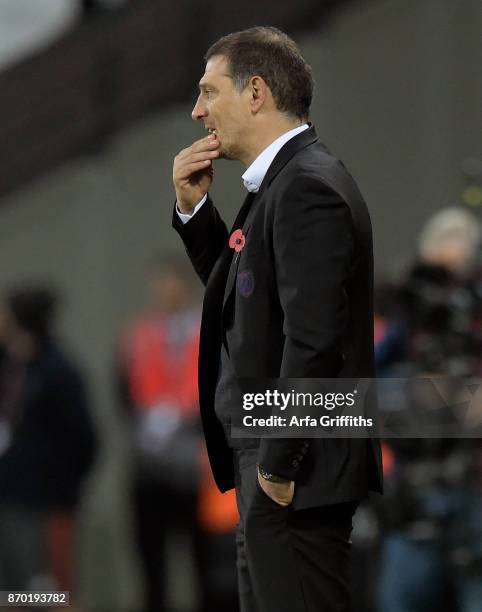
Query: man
point(288, 295)
point(47, 444)
point(157, 367)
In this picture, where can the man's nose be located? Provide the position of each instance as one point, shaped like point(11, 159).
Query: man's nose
point(199, 111)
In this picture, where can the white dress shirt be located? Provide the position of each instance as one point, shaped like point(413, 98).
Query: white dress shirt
point(254, 175)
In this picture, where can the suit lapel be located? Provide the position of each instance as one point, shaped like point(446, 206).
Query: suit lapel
point(216, 287)
point(240, 223)
point(231, 278)
point(246, 214)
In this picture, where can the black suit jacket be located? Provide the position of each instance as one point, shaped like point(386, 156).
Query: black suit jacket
point(310, 315)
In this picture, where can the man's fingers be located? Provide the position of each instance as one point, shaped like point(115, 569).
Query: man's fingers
point(189, 155)
point(205, 144)
point(197, 150)
point(184, 167)
point(195, 157)
point(187, 170)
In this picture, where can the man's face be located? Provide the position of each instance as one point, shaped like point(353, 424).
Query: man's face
point(222, 108)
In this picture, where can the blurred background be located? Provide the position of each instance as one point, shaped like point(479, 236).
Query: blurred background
point(99, 311)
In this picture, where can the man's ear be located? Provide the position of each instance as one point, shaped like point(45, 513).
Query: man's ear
point(259, 93)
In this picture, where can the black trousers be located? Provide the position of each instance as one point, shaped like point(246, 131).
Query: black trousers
point(289, 561)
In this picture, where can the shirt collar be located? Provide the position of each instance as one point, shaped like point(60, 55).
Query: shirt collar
point(254, 175)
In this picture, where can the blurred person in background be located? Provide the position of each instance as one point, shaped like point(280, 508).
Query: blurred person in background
point(432, 513)
point(159, 391)
point(441, 297)
point(47, 445)
point(431, 319)
point(389, 328)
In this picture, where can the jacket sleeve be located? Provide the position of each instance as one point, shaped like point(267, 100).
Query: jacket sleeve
point(204, 237)
point(313, 243)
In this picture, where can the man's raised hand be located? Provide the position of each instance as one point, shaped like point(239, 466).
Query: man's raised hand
point(193, 172)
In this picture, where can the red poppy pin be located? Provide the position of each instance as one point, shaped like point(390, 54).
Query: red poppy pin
point(237, 240)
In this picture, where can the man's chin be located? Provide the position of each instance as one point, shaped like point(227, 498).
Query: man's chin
point(226, 154)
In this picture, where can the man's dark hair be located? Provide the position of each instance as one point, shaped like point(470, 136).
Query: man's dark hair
point(271, 54)
point(33, 308)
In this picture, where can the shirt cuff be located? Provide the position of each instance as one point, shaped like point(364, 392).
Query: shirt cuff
point(184, 216)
